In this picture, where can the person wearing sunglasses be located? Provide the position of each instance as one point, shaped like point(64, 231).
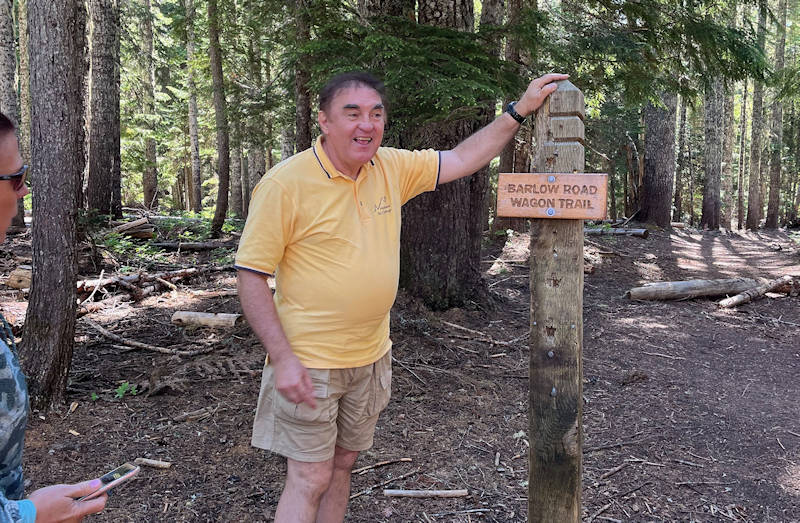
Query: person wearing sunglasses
point(55, 503)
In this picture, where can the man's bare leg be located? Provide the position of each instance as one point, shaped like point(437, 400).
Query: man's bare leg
point(333, 506)
point(305, 485)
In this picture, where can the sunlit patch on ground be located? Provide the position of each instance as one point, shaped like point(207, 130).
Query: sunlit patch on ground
point(790, 480)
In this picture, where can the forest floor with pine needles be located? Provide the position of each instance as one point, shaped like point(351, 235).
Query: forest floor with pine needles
point(691, 412)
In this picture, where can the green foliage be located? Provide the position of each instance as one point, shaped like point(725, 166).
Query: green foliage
point(93, 397)
point(431, 74)
point(125, 388)
point(638, 48)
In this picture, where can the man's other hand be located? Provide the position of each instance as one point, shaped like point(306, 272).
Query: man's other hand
point(537, 91)
point(293, 381)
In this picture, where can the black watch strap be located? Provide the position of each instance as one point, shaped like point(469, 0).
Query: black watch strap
point(513, 112)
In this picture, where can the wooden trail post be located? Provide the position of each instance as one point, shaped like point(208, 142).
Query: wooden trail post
point(558, 199)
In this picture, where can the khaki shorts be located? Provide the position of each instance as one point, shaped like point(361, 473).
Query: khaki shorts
point(348, 404)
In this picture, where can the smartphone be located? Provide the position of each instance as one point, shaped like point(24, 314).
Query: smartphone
point(112, 479)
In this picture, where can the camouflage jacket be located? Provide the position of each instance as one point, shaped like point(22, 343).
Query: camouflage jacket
point(13, 418)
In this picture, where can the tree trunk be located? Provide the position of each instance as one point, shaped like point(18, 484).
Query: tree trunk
point(236, 182)
point(441, 237)
point(57, 43)
point(634, 183)
point(728, 201)
point(269, 128)
point(690, 162)
point(369, 8)
point(796, 206)
point(742, 159)
point(659, 162)
point(221, 119)
point(773, 205)
point(236, 162)
point(677, 213)
point(302, 77)
point(8, 85)
point(24, 84)
point(516, 152)
point(754, 192)
point(8, 62)
point(612, 206)
point(287, 142)
point(196, 195)
point(104, 125)
point(712, 159)
point(150, 176)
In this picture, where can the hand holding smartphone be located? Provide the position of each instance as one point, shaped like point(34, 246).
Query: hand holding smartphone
point(112, 479)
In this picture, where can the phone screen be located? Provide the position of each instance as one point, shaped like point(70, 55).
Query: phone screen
point(117, 473)
point(113, 479)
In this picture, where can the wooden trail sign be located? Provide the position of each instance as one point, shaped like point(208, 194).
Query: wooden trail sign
point(556, 325)
point(552, 195)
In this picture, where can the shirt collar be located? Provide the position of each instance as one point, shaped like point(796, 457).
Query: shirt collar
point(325, 163)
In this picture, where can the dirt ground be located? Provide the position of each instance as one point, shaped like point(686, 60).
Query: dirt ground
point(691, 413)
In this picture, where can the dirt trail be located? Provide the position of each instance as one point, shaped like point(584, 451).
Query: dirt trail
point(697, 407)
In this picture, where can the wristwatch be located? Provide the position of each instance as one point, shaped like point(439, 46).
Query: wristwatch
point(513, 112)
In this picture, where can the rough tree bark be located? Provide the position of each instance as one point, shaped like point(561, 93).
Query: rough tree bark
point(515, 153)
point(677, 212)
point(104, 125)
point(150, 175)
point(728, 201)
point(57, 43)
point(773, 204)
point(196, 194)
point(742, 159)
point(221, 119)
point(712, 159)
point(754, 189)
point(659, 161)
point(8, 62)
point(236, 166)
point(440, 244)
point(302, 77)
point(8, 84)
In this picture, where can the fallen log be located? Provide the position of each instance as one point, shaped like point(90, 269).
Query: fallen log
point(639, 233)
point(155, 463)
point(95, 306)
point(674, 290)
point(425, 493)
point(87, 285)
point(119, 229)
point(139, 345)
point(20, 278)
point(755, 292)
point(207, 319)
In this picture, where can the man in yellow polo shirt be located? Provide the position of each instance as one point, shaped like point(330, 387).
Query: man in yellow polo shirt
point(326, 223)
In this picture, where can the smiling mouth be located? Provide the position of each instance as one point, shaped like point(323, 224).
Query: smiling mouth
point(362, 141)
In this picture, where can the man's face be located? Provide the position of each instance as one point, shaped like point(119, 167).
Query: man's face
point(353, 127)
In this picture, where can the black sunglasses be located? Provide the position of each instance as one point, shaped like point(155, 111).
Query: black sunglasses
point(18, 178)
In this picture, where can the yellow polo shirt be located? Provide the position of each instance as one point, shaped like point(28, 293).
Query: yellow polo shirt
point(334, 246)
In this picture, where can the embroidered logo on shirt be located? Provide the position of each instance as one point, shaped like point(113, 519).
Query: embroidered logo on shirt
point(382, 207)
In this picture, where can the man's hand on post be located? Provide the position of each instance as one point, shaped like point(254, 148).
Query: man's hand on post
point(293, 381)
point(537, 91)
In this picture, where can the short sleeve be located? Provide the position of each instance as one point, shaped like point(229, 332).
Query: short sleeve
point(268, 230)
point(417, 171)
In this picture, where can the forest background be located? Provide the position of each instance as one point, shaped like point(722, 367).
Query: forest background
point(179, 107)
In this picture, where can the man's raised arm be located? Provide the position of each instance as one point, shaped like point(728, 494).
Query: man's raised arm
point(478, 150)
